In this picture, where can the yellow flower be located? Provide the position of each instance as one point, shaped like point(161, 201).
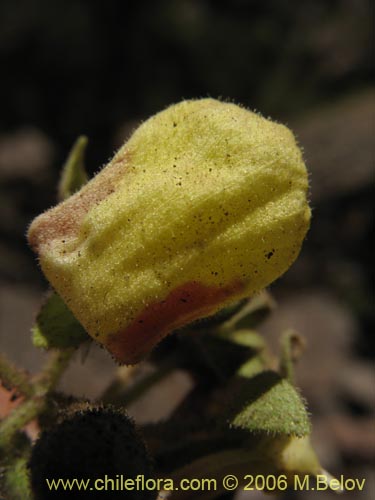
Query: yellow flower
point(204, 205)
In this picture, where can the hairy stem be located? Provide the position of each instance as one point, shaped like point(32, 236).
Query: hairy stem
point(13, 377)
point(56, 364)
point(18, 418)
point(32, 407)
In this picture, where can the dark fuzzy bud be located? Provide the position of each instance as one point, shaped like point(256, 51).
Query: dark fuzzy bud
point(97, 443)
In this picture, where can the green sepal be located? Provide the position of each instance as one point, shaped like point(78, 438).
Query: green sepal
point(252, 367)
point(268, 403)
point(254, 343)
point(73, 175)
point(56, 326)
point(246, 338)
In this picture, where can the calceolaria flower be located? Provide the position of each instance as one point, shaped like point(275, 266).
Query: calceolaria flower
point(205, 204)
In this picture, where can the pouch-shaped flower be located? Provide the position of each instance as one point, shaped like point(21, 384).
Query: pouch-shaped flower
point(205, 204)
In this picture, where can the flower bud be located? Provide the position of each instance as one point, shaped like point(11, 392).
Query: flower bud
point(99, 442)
point(204, 205)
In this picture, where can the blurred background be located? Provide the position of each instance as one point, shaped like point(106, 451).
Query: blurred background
point(72, 67)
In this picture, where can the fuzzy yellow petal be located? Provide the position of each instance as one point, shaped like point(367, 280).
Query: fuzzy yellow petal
point(205, 204)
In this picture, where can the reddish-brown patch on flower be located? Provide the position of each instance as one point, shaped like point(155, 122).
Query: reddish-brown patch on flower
point(63, 221)
point(183, 305)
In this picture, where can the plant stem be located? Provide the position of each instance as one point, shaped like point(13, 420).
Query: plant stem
point(56, 364)
point(12, 376)
point(292, 345)
point(31, 408)
point(18, 418)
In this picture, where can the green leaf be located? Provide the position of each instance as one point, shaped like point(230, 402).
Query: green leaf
point(270, 404)
point(252, 367)
point(246, 338)
point(255, 346)
point(73, 175)
point(56, 326)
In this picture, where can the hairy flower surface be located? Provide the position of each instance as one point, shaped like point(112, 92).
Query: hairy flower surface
point(205, 204)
